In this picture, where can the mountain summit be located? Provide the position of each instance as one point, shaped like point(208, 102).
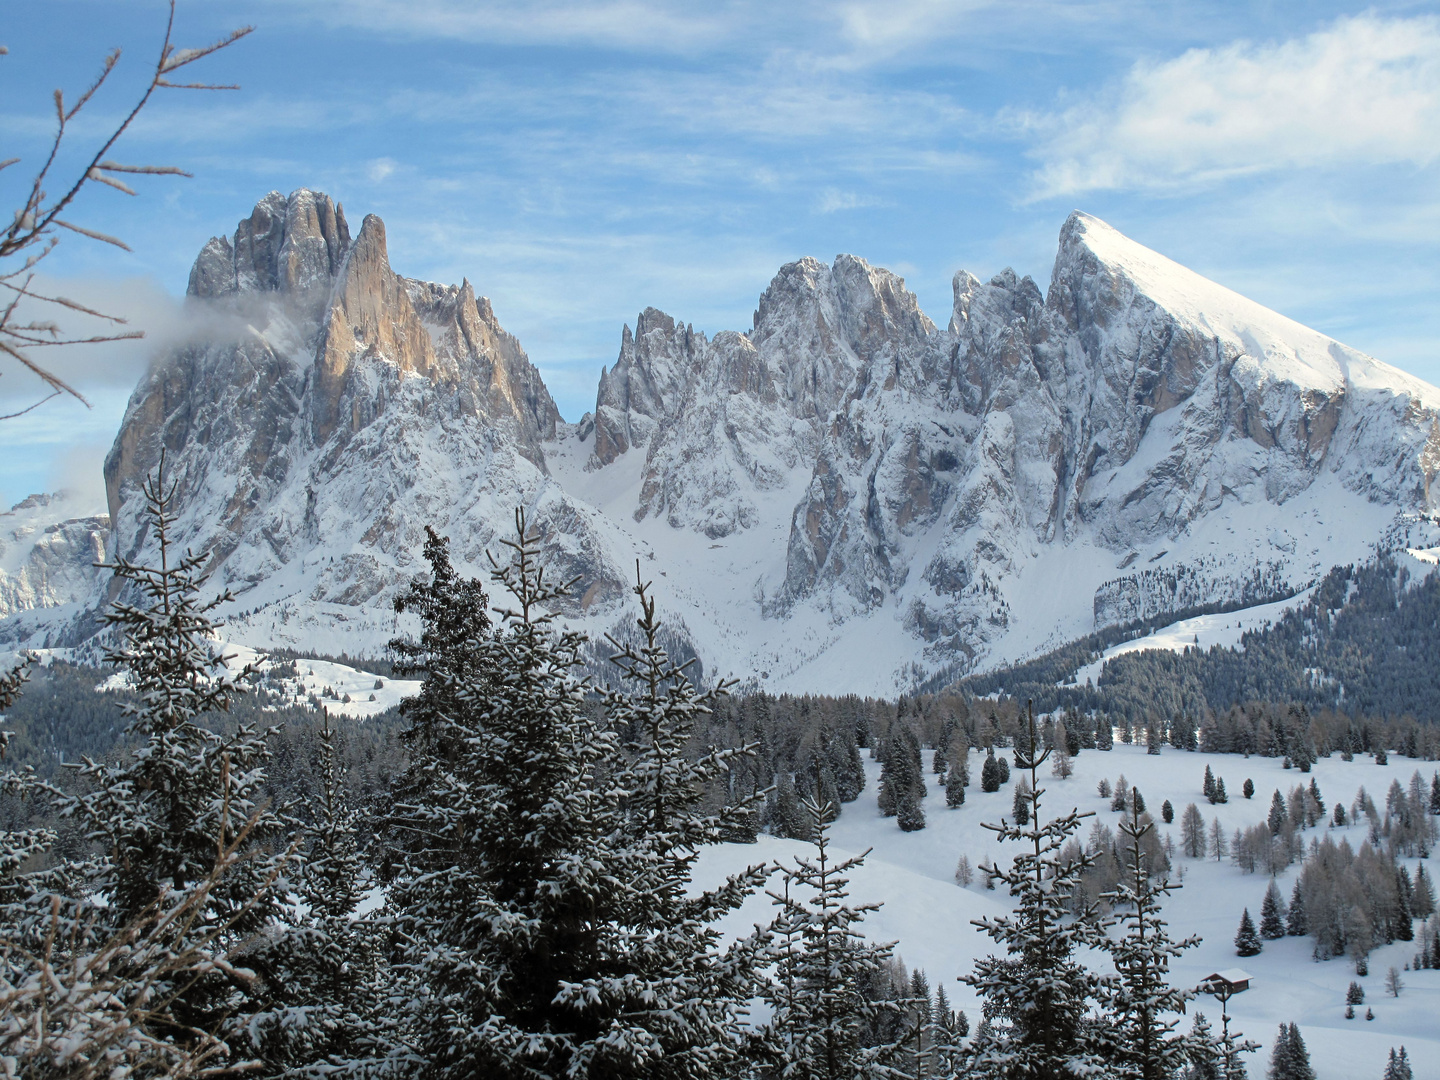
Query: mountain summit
point(844, 498)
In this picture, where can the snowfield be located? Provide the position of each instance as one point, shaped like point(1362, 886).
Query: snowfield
point(928, 915)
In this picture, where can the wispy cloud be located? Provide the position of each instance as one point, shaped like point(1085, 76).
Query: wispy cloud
point(1363, 91)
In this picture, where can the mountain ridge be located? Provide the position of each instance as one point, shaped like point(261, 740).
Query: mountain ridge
point(845, 496)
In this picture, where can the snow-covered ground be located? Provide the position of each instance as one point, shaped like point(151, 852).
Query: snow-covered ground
point(341, 689)
point(1202, 632)
point(929, 916)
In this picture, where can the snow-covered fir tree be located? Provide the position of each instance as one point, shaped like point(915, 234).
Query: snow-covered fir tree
point(674, 998)
point(325, 1017)
point(820, 1013)
point(500, 892)
point(1398, 1067)
point(1289, 1057)
point(1143, 1009)
point(1039, 998)
point(160, 815)
point(1247, 940)
point(1272, 913)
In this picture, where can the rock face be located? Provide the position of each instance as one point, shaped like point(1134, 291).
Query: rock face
point(974, 489)
point(339, 409)
point(844, 497)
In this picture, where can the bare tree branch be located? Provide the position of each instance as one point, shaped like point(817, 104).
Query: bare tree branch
point(37, 219)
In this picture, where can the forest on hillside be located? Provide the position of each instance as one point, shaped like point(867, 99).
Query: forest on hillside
point(1364, 643)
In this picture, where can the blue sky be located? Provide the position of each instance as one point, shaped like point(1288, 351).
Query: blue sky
point(578, 161)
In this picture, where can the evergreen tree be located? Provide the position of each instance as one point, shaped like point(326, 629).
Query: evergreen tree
point(1297, 925)
point(502, 876)
point(160, 816)
point(955, 786)
point(990, 773)
point(910, 811)
point(1272, 914)
point(1202, 1051)
point(1248, 788)
point(1355, 994)
point(1039, 996)
point(1289, 1058)
point(1144, 1043)
point(819, 1011)
point(1422, 904)
point(325, 1017)
point(1220, 796)
point(1020, 804)
point(1208, 787)
point(1137, 801)
point(1398, 1067)
point(1167, 812)
point(670, 996)
point(1247, 941)
point(1278, 817)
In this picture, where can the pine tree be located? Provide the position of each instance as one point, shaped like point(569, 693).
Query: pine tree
point(1039, 996)
point(326, 1016)
point(1423, 902)
point(910, 811)
point(1202, 1051)
point(1247, 941)
point(819, 1012)
point(1289, 1058)
point(1398, 1067)
point(1137, 801)
point(1272, 914)
point(1355, 994)
point(1020, 803)
point(1144, 1043)
point(1208, 788)
point(1167, 812)
point(1278, 817)
point(990, 773)
point(955, 786)
point(1220, 796)
point(1297, 925)
point(160, 815)
point(1248, 788)
point(500, 885)
point(671, 997)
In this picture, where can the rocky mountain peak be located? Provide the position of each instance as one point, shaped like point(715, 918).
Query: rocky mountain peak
point(285, 245)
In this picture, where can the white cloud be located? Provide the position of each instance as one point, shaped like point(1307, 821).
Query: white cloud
point(1363, 91)
point(380, 168)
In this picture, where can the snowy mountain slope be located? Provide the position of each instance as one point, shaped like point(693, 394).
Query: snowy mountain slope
point(928, 915)
point(48, 547)
point(334, 411)
point(844, 498)
point(975, 490)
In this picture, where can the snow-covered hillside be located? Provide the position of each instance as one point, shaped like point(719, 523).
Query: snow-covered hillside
point(929, 916)
point(844, 497)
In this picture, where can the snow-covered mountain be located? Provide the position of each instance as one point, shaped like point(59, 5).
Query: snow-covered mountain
point(845, 497)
